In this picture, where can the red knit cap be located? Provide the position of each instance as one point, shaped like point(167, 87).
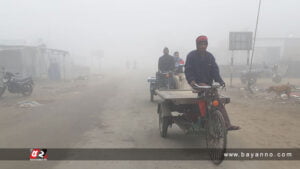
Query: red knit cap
point(201, 38)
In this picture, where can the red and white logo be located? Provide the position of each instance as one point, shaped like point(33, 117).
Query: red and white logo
point(38, 154)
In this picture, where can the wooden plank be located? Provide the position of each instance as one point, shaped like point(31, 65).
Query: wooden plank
point(176, 94)
point(183, 96)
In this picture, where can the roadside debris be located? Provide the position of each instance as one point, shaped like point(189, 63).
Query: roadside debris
point(81, 78)
point(28, 104)
point(296, 97)
point(269, 98)
point(284, 96)
point(282, 102)
point(280, 94)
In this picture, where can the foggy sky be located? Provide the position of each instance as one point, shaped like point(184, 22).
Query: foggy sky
point(135, 29)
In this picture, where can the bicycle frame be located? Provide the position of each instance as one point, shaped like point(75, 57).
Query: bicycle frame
point(209, 99)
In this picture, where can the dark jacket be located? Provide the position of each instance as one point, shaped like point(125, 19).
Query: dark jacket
point(202, 68)
point(166, 63)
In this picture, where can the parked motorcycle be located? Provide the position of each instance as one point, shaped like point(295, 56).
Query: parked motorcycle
point(275, 75)
point(14, 84)
point(249, 77)
point(276, 78)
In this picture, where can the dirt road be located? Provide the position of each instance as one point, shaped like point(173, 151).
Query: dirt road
point(115, 112)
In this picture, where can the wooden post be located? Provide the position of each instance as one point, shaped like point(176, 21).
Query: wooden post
point(248, 57)
point(231, 68)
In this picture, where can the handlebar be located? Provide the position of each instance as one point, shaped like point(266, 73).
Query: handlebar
point(201, 87)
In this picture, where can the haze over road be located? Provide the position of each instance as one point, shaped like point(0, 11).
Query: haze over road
point(114, 112)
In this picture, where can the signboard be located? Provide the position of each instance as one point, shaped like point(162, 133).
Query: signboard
point(240, 40)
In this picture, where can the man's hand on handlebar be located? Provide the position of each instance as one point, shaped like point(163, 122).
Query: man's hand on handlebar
point(204, 85)
point(193, 83)
point(200, 86)
point(222, 84)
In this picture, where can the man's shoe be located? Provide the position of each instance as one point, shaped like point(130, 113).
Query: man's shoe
point(233, 128)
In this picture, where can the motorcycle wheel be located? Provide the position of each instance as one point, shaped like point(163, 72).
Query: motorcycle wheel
point(276, 79)
point(28, 88)
point(216, 137)
point(252, 80)
point(2, 90)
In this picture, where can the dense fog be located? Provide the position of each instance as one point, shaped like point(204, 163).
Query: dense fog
point(130, 30)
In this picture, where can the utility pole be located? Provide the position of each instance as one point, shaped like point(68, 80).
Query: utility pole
point(253, 47)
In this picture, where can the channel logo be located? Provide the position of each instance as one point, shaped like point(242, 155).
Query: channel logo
point(37, 154)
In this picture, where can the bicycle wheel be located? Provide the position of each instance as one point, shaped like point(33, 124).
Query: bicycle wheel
point(216, 137)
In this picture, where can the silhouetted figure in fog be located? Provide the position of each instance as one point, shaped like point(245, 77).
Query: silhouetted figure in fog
point(127, 64)
point(166, 62)
point(54, 71)
point(134, 65)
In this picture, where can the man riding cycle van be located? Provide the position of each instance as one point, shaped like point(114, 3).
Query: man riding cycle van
point(202, 69)
point(166, 62)
point(166, 65)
